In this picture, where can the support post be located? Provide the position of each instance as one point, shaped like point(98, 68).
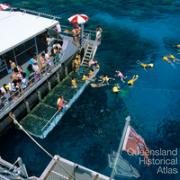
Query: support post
point(27, 106)
point(39, 95)
point(49, 85)
point(66, 70)
point(58, 76)
point(14, 54)
point(37, 52)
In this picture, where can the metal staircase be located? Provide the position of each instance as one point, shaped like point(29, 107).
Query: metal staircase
point(89, 53)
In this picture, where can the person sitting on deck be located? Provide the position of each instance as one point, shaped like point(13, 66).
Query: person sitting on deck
point(74, 83)
point(121, 76)
point(42, 61)
point(90, 74)
point(145, 66)
point(132, 80)
point(85, 78)
point(60, 103)
point(116, 89)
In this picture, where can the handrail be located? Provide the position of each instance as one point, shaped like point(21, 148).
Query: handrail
point(32, 82)
point(36, 13)
point(86, 31)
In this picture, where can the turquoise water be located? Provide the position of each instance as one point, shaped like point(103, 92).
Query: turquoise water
point(133, 29)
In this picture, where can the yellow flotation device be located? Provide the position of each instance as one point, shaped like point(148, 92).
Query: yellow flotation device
point(165, 58)
point(116, 88)
point(171, 56)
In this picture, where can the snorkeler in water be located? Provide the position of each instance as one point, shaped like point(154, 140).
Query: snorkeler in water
point(133, 80)
point(121, 76)
point(145, 66)
point(116, 89)
point(105, 79)
point(171, 59)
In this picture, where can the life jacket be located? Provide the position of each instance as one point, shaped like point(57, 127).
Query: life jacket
point(115, 89)
point(84, 78)
point(131, 81)
point(172, 57)
point(165, 58)
point(144, 65)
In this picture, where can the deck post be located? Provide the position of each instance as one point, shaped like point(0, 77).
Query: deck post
point(66, 70)
point(49, 85)
point(58, 77)
point(14, 54)
point(35, 41)
point(27, 106)
point(39, 95)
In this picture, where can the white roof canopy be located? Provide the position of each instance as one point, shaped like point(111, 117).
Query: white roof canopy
point(17, 27)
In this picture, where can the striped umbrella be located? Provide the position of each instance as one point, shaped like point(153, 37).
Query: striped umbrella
point(78, 19)
point(4, 7)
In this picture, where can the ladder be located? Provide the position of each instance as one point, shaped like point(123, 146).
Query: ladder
point(89, 54)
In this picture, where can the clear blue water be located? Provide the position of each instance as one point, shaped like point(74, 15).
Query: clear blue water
point(133, 29)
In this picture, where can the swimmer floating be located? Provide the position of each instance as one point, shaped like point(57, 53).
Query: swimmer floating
point(133, 80)
point(116, 89)
point(121, 76)
point(145, 66)
point(170, 59)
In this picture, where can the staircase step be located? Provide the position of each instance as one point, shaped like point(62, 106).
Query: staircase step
point(87, 56)
point(84, 65)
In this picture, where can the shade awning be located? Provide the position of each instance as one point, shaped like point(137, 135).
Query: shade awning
point(17, 27)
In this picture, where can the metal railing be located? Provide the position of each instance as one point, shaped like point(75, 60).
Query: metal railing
point(89, 32)
point(36, 13)
point(15, 97)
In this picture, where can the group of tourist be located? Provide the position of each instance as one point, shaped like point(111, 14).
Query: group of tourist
point(21, 79)
point(76, 34)
point(171, 59)
point(104, 80)
point(78, 69)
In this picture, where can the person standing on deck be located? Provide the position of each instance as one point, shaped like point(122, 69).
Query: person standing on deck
point(98, 34)
point(60, 103)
